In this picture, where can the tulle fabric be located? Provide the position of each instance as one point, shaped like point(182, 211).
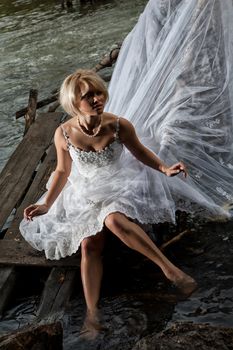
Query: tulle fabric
point(173, 79)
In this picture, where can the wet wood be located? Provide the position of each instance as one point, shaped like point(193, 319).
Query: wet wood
point(186, 335)
point(37, 188)
point(31, 110)
point(7, 284)
point(109, 59)
point(174, 239)
point(37, 337)
point(56, 294)
point(16, 175)
point(17, 252)
point(39, 104)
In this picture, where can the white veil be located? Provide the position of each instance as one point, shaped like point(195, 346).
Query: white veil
point(173, 80)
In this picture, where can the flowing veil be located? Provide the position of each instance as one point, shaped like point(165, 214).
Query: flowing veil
point(173, 80)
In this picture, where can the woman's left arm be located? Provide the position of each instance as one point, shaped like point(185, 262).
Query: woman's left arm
point(129, 138)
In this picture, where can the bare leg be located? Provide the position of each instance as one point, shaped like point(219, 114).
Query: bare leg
point(134, 237)
point(91, 274)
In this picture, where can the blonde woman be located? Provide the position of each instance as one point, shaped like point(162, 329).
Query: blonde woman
point(99, 183)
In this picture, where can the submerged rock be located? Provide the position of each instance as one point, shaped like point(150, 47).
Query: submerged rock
point(183, 336)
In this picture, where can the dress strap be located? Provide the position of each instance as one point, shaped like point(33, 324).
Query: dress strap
point(66, 137)
point(117, 128)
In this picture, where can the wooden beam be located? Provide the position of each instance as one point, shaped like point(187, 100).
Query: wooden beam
point(39, 104)
point(16, 252)
point(30, 115)
point(37, 188)
point(56, 294)
point(37, 337)
point(17, 174)
point(7, 283)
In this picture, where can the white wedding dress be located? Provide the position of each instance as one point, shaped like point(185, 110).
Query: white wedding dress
point(173, 81)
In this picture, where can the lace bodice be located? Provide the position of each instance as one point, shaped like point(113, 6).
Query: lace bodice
point(88, 162)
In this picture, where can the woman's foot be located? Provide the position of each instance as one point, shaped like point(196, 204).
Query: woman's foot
point(185, 284)
point(91, 326)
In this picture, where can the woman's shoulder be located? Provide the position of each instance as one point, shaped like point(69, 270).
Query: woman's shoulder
point(113, 119)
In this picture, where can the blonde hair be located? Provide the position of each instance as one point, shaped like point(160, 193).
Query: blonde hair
point(70, 91)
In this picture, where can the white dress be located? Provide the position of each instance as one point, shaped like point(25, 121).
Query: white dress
point(173, 81)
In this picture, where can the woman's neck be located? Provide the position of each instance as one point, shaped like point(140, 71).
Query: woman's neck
point(90, 122)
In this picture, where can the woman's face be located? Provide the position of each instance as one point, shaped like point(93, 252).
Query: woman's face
point(91, 102)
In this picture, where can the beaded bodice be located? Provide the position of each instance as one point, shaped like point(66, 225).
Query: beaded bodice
point(88, 162)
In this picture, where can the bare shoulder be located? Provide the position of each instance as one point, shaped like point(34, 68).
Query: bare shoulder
point(59, 138)
point(125, 125)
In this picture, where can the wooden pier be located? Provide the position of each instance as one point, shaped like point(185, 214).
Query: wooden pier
point(22, 182)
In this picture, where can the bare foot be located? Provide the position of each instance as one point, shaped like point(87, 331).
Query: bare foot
point(186, 285)
point(91, 326)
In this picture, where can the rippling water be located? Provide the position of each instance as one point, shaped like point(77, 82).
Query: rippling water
point(40, 44)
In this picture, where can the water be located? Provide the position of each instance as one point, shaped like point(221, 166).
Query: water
point(136, 299)
point(40, 44)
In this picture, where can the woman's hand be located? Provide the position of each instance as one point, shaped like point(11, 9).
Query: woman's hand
point(176, 169)
point(35, 210)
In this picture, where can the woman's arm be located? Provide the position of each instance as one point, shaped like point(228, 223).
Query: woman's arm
point(60, 176)
point(129, 138)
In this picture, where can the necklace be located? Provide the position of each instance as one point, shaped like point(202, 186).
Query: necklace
point(95, 133)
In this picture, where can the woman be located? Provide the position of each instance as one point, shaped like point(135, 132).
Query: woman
point(93, 188)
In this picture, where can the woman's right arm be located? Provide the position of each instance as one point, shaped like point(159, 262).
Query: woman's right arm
point(60, 176)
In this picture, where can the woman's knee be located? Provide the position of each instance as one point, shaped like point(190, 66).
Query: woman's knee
point(92, 246)
point(115, 222)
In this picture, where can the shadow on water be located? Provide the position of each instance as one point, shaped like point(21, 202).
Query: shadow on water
point(136, 299)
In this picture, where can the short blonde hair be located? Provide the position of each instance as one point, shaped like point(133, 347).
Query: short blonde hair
point(70, 91)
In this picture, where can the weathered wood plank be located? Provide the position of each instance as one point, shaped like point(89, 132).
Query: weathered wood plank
point(39, 104)
point(17, 173)
point(37, 337)
point(7, 283)
point(30, 116)
point(14, 252)
point(56, 294)
point(35, 191)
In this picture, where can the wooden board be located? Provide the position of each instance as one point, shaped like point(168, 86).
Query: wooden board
point(15, 252)
point(37, 188)
point(57, 292)
point(17, 174)
point(7, 283)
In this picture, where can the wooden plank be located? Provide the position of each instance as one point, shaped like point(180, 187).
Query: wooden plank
point(39, 104)
point(57, 292)
point(34, 193)
point(14, 252)
point(37, 337)
point(30, 116)
point(18, 171)
point(7, 283)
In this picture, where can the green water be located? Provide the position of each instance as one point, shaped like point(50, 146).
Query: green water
point(40, 43)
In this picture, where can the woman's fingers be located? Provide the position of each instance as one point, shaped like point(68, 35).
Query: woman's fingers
point(34, 210)
point(177, 168)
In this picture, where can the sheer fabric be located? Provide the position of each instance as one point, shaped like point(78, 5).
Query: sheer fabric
point(173, 79)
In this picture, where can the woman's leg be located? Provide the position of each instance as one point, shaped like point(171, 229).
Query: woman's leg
point(134, 237)
point(91, 274)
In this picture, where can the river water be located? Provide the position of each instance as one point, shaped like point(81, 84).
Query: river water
point(40, 44)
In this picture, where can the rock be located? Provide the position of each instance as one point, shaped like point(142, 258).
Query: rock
point(42, 337)
point(183, 336)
